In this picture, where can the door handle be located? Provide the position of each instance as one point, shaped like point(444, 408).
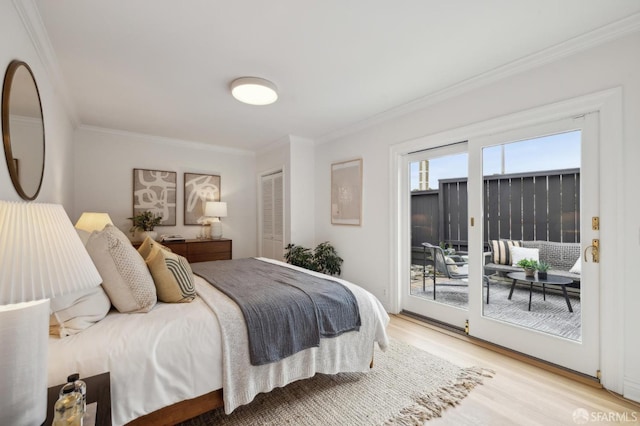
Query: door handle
point(595, 251)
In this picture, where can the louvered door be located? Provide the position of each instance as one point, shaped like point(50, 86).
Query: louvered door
point(272, 216)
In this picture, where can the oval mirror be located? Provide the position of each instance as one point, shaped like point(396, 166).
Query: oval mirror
point(23, 129)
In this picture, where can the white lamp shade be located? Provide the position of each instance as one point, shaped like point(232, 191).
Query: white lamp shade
point(24, 334)
point(254, 91)
point(90, 221)
point(41, 255)
point(215, 209)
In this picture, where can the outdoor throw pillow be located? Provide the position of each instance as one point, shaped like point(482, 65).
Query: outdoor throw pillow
point(519, 253)
point(172, 275)
point(577, 267)
point(501, 250)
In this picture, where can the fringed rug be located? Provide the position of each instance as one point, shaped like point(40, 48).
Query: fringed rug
point(406, 386)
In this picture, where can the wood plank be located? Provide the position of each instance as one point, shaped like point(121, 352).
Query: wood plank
point(528, 209)
point(520, 393)
point(554, 208)
point(540, 207)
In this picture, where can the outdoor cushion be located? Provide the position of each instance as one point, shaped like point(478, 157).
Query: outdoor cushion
point(501, 251)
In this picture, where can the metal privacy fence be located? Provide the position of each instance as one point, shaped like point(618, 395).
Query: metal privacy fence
point(525, 206)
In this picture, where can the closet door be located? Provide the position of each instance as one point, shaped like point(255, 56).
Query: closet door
point(272, 217)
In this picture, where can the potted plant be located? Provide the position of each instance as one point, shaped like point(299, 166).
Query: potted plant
point(323, 259)
point(529, 266)
point(326, 259)
point(542, 268)
point(299, 256)
point(144, 223)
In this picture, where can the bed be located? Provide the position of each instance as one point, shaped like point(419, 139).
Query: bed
point(182, 353)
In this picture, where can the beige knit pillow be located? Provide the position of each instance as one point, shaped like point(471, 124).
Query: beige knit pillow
point(172, 275)
point(125, 277)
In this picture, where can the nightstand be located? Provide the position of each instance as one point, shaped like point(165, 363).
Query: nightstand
point(98, 390)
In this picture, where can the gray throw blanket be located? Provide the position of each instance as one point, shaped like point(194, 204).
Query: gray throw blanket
point(286, 311)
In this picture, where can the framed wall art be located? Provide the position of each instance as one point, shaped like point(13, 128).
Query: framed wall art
point(155, 191)
point(346, 192)
point(198, 189)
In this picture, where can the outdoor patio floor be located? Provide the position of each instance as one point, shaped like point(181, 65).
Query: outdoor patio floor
point(549, 316)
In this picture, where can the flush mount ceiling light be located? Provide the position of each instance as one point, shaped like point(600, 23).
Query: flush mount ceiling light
point(254, 91)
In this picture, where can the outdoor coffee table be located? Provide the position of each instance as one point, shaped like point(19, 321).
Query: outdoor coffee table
point(551, 279)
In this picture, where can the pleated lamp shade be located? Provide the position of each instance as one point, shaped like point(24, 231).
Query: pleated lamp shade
point(41, 256)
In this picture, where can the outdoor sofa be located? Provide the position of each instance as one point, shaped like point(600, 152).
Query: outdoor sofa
point(564, 258)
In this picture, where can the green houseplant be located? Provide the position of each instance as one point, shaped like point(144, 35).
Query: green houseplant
point(323, 259)
point(542, 268)
point(145, 222)
point(529, 266)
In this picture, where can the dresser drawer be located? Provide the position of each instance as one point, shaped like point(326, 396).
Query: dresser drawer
point(204, 250)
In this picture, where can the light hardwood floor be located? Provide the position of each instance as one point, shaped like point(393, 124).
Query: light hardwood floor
point(519, 393)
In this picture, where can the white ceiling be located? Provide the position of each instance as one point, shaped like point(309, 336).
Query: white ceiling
point(163, 67)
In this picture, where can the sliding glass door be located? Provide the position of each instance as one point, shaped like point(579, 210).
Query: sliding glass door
point(470, 211)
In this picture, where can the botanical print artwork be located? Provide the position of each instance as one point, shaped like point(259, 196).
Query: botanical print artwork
point(346, 192)
point(155, 191)
point(198, 189)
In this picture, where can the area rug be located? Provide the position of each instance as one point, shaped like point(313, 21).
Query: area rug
point(407, 386)
point(548, 316)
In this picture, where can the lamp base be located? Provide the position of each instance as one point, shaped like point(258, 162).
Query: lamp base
point(216, 229)
point(24, 334)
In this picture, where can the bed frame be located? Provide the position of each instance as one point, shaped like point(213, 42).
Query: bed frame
point(181, 411)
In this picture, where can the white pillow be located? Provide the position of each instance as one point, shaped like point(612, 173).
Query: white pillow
point(77, 311)
point(84, 236)
point(519, 253)
point(125, 277)
point(577, 267)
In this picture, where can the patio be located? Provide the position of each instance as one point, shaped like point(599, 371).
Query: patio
point(548, 316)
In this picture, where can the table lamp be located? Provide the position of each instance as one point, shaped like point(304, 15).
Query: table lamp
point(91, 221)
point(215, 210)
point(41, 256)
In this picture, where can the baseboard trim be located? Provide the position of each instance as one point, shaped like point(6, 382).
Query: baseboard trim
point(460, 334)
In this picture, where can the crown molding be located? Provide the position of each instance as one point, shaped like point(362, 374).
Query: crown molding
point(32, 21)
point(179, 143)
point(599, 36)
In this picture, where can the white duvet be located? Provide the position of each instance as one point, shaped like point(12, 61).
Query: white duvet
point(178, 351)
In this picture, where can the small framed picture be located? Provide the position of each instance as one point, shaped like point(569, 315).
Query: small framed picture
point(155, 191)
point(346, 193)
point(198, 189)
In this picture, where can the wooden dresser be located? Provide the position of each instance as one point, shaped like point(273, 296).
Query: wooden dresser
point(200, 250)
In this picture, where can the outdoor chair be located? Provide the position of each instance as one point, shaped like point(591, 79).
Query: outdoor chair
point(453, 267)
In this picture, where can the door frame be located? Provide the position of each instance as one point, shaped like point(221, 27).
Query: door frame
point(259, 178)
point(608, 104)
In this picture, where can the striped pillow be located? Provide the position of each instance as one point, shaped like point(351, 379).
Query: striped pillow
point(172, 275)
point(501, 250)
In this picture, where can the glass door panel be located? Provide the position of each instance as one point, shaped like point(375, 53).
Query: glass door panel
point(439, 275)
point(531, 191)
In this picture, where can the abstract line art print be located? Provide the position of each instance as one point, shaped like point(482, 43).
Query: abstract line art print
point(198, 189)
point(155, 191)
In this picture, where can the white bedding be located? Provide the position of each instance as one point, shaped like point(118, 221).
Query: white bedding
point(169, 354)
point(176, 352)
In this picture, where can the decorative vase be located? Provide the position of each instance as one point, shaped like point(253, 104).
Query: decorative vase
point(529, 272)
point(152, 234)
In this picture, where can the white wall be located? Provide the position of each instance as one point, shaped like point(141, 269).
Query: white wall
point(57, 186)
point(366, 249)
point(104, 163)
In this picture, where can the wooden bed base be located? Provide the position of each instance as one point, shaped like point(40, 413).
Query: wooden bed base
point(181, 411)
point(185, 410)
